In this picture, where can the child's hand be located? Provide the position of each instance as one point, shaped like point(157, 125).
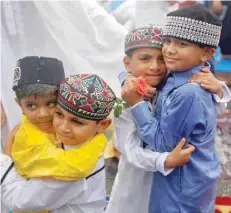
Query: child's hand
point(208, 81)
point(151, 92)
point(131, 96)
point(179, 156)
point(10, 141)
point(129, 93)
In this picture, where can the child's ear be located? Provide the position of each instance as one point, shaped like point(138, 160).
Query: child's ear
point(103, 125)
point(127, 63)
point(207, 53)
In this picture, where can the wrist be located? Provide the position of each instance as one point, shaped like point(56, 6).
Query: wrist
point(168, 164)
point(220, 93)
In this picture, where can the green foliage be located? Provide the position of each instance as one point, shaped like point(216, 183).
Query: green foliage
point(119, 106)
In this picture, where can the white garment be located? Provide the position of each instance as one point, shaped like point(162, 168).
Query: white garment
point(125, 14)
point(151, 12)
point(131, 189)
point(221, 103)
point(83, 196)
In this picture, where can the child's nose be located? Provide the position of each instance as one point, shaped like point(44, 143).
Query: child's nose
point(64, 127)
point(154, 65)
point(42, 113)
point(171, 49)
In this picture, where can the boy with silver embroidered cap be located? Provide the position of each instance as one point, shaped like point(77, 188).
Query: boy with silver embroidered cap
point(34, 151)
point(84, 103)
point(137, 164)
point(143, 49)
point(183, 110)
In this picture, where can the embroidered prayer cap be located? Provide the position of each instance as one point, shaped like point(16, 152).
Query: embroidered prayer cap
point(147, 36)
point(87, 96)
point(35, 69)
point(195, 24)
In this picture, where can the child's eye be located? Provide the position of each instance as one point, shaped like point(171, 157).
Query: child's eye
point(77, 122)
point(167, 41)
point(144, 58)
point(51, 104)
point(183, 43)
point(31, 106)
point(59, 114)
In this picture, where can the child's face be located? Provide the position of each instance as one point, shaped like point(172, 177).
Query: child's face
point(39, 111)
point(182, 55)
point(73, 130)
point(149, 63)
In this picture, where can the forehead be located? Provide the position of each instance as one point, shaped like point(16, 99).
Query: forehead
point(71, 116)
point(180, 40)
point(36, 98)
point(148, 51)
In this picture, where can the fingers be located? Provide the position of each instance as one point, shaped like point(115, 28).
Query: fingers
point(207, 87)
point(151, 92)
point(181, 144)
point(205, 70)
point(200, 81)
point(129, 82)
point(189, 150)
point(204, 74)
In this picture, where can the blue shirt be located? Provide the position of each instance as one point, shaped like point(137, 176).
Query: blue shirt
point(183, 110)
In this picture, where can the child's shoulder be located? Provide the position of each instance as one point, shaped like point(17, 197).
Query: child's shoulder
point(191, 89)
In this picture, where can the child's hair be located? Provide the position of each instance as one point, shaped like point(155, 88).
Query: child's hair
point(130, 53)
point(41, 90)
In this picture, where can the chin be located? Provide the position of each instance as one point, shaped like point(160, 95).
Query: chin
point(155, 83)
point(175, 68)
point(47, 128)
point(69, 143)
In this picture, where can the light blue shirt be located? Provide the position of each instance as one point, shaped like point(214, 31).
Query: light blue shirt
point(183, 110)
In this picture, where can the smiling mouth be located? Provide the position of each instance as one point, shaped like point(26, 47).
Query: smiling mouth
point(45, 122)
point(170, 59)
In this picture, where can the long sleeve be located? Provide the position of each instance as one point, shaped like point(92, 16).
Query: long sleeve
point(122, 77)
point(178, 120)
point(129, 144)
point(19, 194)
point(36, 156)
point(221, 103)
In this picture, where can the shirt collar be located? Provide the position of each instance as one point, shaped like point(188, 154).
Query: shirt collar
point(181, 78)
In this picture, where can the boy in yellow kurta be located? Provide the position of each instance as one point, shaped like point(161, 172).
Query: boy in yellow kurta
point(35, 152)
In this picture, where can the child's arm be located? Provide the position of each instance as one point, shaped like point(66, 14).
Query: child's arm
point(179, 117)
point(20, 195)
point(130, 146)
point(221, 92)
point(39, 157)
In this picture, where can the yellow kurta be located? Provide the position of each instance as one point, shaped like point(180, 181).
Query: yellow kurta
point(35, 155)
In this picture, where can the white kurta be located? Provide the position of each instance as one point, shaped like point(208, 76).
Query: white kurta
point(131, 189)
point(83, 196)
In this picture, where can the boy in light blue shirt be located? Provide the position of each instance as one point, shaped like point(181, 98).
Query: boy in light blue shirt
point(183, 110)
